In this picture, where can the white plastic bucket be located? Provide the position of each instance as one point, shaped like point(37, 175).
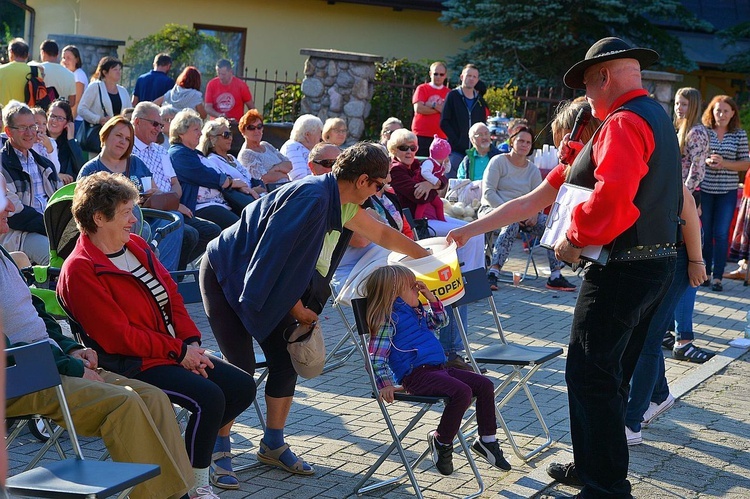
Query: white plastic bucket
point(440, 271)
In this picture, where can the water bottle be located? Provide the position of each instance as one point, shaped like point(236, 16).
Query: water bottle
point(747, 326)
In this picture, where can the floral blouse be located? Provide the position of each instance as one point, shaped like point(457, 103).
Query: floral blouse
point(694, 157)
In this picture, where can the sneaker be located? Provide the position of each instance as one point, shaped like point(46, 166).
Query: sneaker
point(560, 284)
point(668, 341)
point(691, 353)
point(634, 437)
point(565, 473)
point(442, 455)
point(491, 452)
point(205, 492)
point(459, 363)
point(492, 279)
point(654, 410)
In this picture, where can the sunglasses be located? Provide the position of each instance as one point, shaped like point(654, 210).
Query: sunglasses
point(379, 185)
point(439, 74)
point(225, 134)
point(325, 163)
point(155, 124)
point(254, 127)
point(407, 148)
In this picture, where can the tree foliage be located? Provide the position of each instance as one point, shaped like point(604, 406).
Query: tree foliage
point(533, 42)
point(739, 62)
point(186, 46)
point(503, 99)
point(395, 82)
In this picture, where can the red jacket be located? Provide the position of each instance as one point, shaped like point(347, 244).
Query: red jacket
point(118, 312)
point(404, 178)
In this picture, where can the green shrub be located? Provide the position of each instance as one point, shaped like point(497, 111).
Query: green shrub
point(186, 46)
point(503, 99)
point(284, 105)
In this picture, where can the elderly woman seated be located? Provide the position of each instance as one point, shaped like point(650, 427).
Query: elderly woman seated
point(184, 137)
point(507, 177)
point(135, 319)
point(262, 161)
point(334, 131)
point(306, 132)
point(215, 142)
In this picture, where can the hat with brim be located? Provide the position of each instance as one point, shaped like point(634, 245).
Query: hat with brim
point(607, 49)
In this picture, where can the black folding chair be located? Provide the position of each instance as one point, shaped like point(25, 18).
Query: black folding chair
point(31, 368)
point(360, 311)
point(523, 360)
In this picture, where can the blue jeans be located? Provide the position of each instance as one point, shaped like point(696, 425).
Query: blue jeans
point(612, 315)
point(456, 158)
point(450, 338)
point(683, 315)
point(651, 361)
point(170, 246)
point(718, 210)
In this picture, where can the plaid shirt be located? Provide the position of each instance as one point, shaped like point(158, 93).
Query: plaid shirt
point(380, 343)
point(39, 200)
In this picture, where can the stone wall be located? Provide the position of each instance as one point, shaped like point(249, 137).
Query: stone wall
point(339, 84)
point(662, 86)
point(92, 48)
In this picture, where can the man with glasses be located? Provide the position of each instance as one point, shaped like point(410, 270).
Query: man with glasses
point(322, 157)
point(31, 180)
point(463, 107)
point(428, 100)
point(148, 125)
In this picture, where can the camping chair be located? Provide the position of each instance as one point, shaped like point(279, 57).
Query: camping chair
point(529, 242)
point(338, 357)
point(360, 311)
point(32, 368)
point(524, 360)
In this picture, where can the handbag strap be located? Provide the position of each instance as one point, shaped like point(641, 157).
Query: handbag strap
point(101, 101)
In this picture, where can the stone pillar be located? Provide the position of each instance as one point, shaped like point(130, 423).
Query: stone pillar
point(339, 84)
point(92, 48)
point(662, 86)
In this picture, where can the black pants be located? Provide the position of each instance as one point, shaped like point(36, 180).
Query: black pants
point(212, 401)
point(206, 232)
point(614, 309)
point(218, 215)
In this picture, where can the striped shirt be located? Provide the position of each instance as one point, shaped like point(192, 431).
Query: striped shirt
point(380, 344)
point(125, 260)
point(732, 148)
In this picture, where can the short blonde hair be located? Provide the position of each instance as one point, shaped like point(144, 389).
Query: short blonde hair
point(332, 123)
point(400, 137)
point(181, 122)
point(208, 134)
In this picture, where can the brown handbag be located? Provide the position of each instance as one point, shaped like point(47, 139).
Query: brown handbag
point(165, 201)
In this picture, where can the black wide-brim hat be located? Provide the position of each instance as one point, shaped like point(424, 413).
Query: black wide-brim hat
point(607, 49)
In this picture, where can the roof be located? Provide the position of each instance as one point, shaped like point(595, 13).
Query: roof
point(430, 5)
point(707, 50)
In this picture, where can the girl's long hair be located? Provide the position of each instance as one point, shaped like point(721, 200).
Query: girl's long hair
point(382, 288)
point(683, 126)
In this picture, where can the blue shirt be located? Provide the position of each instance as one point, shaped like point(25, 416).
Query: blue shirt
point(152, 85)
point(138, 170)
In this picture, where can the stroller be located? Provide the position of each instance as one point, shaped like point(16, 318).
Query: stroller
point(63, 233)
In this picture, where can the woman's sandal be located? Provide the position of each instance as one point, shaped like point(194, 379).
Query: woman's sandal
point(218, 472)
point(271, 457)
point(691, 353)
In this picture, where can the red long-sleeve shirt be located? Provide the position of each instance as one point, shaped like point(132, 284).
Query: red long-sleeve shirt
point(621, 149)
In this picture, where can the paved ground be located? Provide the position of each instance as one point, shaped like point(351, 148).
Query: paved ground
point(698, 449)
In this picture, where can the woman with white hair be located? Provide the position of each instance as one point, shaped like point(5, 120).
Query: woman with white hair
point(306, 132)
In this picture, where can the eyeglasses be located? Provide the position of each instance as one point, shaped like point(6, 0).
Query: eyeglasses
point(439, 74)
point(225, 134)
point(407, 148)
point(24, 129)
point(154, 123)
point(379, 185)
point(325, 163)
point(54, 117)
point(254, 127)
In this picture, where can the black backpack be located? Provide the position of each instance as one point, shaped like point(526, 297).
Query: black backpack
point(35, 91)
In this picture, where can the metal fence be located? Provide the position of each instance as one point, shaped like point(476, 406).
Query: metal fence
point(278, 95)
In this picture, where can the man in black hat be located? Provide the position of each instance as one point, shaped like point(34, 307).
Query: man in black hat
point(633, 166)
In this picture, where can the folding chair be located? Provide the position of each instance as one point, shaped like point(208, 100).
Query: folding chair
point(528, 240)
point(360, 311)
point(338, 357)
point(524, 360)
point(32, 368)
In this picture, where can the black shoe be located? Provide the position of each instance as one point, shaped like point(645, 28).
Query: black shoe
point(560, 284)
point(716, 286)
point(491, 452)
point(668, 341)
point(492, 279)
point(442, 455)
point(706, 283)
point(565, 473)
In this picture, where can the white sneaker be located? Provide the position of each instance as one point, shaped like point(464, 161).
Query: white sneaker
point(654, 410)
point(205, 492)
point(634, 437)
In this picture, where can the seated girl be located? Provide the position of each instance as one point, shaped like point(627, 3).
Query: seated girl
point(404, 350)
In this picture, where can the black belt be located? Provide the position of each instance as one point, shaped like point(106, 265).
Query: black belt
point(644, 252)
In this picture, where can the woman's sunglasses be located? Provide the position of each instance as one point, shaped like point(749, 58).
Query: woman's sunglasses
point(254, 127)
point(407, 148)
point(225, 134)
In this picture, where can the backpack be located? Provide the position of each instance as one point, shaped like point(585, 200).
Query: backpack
point(35, 92)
